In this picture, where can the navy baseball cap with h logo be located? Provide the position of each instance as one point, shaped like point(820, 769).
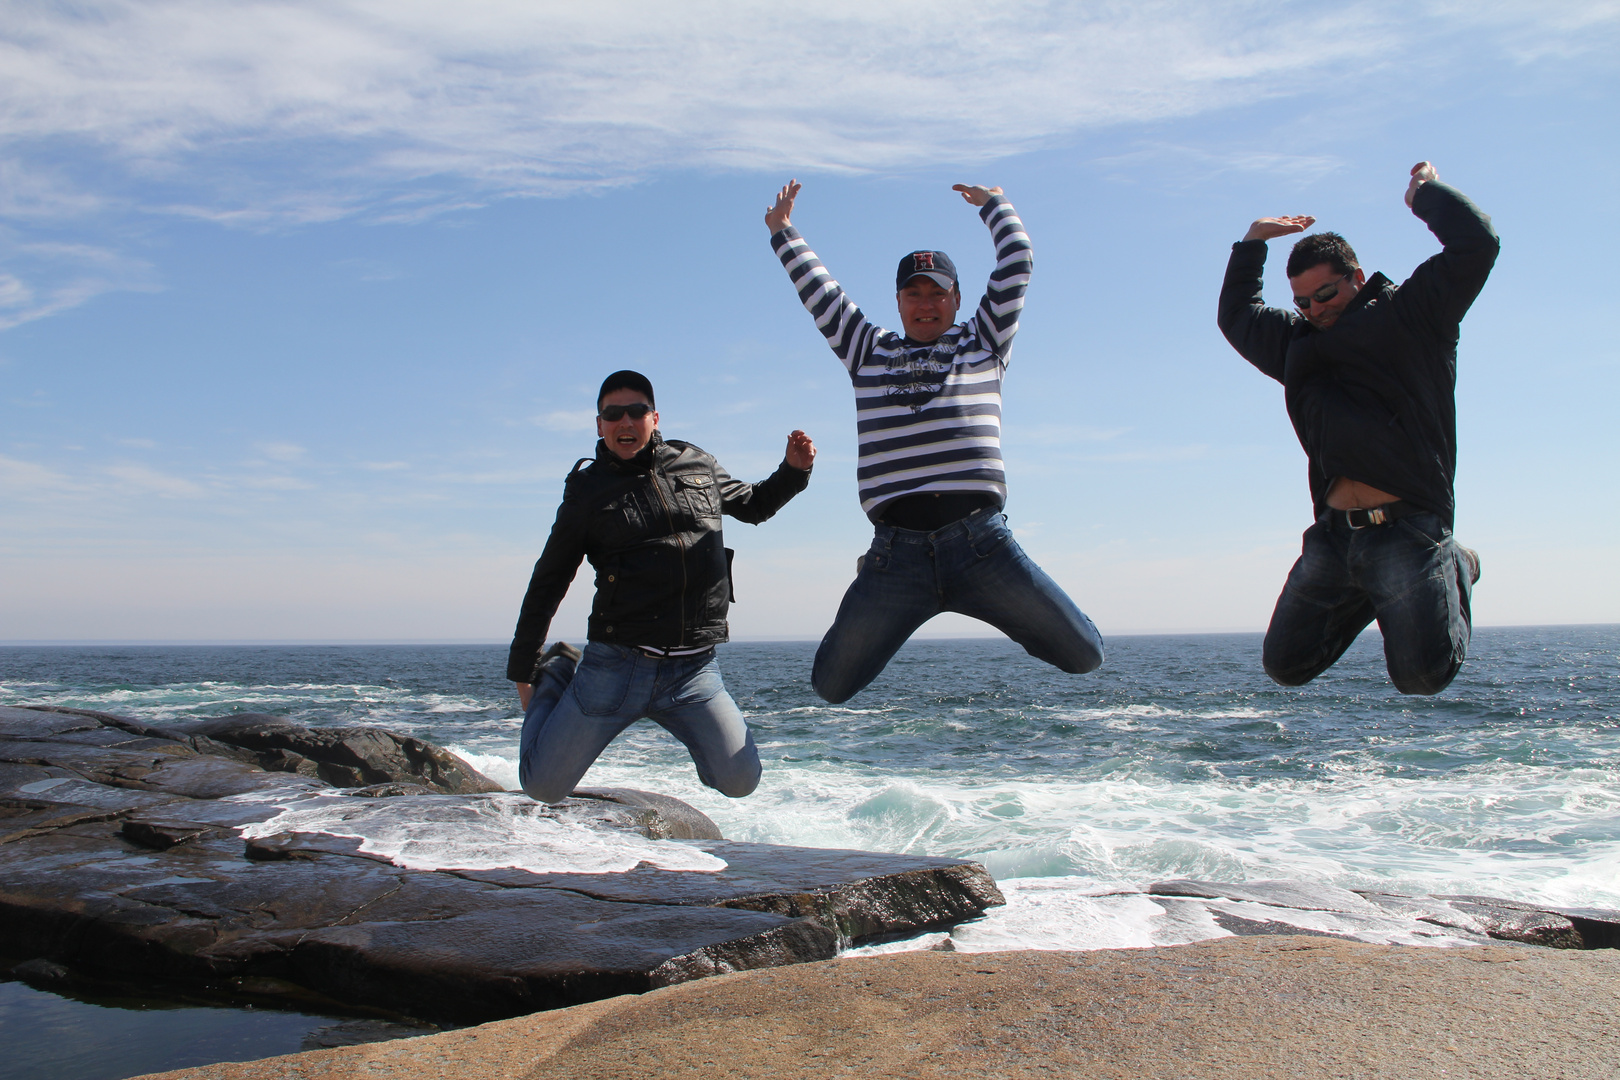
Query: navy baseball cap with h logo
point(934, 265)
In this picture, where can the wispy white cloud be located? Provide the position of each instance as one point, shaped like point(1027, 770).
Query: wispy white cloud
point(281, 451)
point(1174, 165)
point(267, 113)
point(401, 109)
point(41, 278)
point(19, 478)
point(276, 483)
point(136, 479)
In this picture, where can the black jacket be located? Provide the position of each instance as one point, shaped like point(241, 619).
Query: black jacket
point(651, 528)
point(1372, 397)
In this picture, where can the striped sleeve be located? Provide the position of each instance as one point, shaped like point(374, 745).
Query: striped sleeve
point(839, 320)
point(1003, 298)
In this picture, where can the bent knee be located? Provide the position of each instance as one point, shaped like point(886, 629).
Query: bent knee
point(1082, 663)
point(736, 787)
point(1427, 684)
point(1289, 676)
point(831, 691)
point(540, 793)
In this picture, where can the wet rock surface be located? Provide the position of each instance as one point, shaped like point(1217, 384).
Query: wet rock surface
point(122, 856)
point(1289, 907)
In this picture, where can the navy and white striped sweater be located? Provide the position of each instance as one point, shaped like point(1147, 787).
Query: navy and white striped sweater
point(928, 416)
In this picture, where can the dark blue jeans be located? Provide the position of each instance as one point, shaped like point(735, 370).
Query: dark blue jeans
point(574, 714)
point(1409, 575)
point(972, 566)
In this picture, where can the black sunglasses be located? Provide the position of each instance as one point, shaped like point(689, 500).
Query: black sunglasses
point(1322, 295)
point(614, 413)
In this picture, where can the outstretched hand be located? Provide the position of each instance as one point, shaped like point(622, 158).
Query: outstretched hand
point(1422, 173)
point(976, 194)
point(1269, 228)
point(801, 452)
point(776, 218)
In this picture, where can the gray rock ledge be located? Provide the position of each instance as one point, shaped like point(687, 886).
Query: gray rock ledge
point(121, 858)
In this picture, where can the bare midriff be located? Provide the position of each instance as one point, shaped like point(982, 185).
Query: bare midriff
point(1347, 494)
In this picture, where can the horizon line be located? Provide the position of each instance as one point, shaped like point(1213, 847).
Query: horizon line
point(750, 640)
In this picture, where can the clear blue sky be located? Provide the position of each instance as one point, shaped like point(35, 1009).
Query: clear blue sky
point(304, 305)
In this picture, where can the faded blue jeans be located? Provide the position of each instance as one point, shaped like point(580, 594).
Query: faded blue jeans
point(1410, 575)
point(574, 714)
point(973, 567)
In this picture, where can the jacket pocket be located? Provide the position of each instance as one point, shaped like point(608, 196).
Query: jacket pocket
point(697, 488)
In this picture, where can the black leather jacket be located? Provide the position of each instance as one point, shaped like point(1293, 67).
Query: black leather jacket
point(1371, 397)
point(650, 527)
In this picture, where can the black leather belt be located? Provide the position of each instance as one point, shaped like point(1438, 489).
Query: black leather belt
point(1387, 514)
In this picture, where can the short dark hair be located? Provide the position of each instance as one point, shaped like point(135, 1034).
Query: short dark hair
point(626, 380)
point(1319, 248)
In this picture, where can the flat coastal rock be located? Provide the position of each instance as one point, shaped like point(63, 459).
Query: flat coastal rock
point(1256, 1008)
point(123, 857)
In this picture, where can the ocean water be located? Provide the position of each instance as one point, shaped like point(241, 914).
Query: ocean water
point(1179, 759)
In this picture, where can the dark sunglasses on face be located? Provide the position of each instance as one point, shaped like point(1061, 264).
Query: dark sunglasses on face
point(614, 413)
point(1322, 295)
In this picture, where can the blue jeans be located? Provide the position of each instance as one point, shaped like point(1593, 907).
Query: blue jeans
point(574, 714)
point(1409, 575)
point(973, 567)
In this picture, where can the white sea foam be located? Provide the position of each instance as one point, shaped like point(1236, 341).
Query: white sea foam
point(1502, 829)
point(1072, 914)
point(498, 767)
point(484, 832)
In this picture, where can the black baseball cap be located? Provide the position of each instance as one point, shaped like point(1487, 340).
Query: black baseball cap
point(627, 380)
point(934, 265)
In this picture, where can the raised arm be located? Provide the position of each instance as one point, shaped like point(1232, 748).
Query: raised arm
point(1259, 334)
point(1440, 291)
point(1003, 299)
point(755, 503)
point(842, 323)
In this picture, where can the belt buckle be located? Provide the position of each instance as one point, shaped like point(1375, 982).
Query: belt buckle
point(1374, 516)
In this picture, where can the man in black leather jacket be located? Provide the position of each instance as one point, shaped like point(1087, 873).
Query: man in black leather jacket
point(646, 513)
point(1369, 372)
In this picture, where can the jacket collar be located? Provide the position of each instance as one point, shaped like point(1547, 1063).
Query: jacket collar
point(1374, 286)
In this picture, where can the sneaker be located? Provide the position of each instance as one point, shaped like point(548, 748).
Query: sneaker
point(1471, 557)
point(560, 650)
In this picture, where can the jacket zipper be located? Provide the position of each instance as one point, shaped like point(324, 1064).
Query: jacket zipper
point(670, 517)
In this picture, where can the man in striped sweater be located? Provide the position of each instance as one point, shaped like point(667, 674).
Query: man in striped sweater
point(928, 417)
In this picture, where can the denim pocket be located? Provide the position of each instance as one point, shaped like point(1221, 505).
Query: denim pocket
point(990, 536)
point(1424, 527)
point(602, 681)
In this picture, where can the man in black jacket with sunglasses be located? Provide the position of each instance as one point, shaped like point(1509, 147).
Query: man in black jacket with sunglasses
point(1369, 371)
point(646, 513)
